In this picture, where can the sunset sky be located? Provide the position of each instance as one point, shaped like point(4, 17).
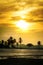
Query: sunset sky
point(22, 18)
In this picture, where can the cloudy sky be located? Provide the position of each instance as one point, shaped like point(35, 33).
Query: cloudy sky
point(14, 11)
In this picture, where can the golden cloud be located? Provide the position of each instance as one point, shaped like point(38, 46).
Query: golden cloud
point(7, 6)
point(36, 15)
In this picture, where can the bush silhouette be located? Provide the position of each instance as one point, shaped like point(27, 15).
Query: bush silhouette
point(29, 45)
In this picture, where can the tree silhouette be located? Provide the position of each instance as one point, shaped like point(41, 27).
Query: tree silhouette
point(20, 41)
point(6, 44)
point(2, 41)
point(10, 41)
point(39, 43)
point(17, 44)
point(2, 44)
point(13, 42)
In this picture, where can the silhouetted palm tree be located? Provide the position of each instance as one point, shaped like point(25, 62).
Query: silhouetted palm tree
point(6, 44)
point(10, 41)
point(39, 43)
point(20, 41)
point(2, 41)
point(2, 44)
point(13, 42)
point(17, 44)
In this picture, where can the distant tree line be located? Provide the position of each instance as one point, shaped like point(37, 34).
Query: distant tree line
point(10, 43)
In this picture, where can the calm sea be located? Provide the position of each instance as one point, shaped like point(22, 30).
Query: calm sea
point(21, 53)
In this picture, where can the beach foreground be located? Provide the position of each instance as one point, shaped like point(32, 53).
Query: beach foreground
point(17, 61)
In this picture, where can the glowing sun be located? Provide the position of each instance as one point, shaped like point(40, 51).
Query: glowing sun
point(22, 24)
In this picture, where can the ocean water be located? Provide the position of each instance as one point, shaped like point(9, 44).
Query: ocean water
point(21, 53)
